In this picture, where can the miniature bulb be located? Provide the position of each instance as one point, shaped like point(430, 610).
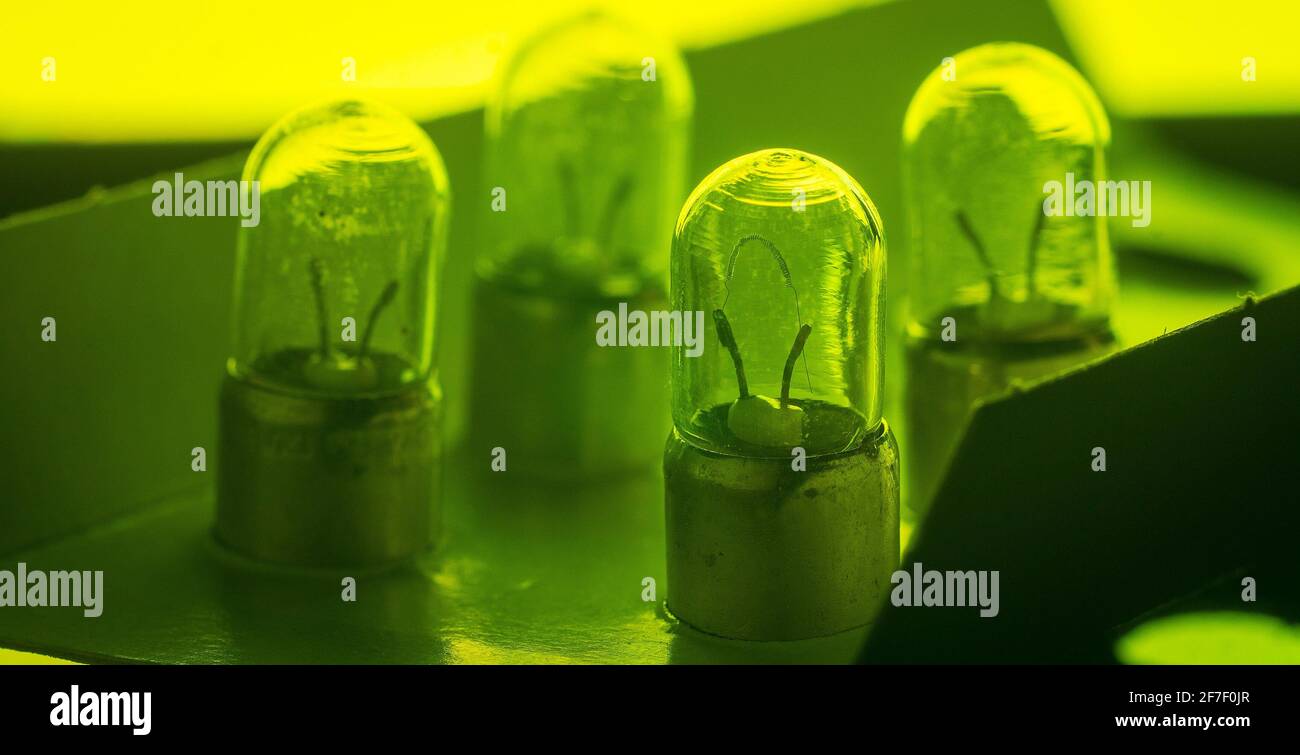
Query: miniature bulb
point(586, 165)
point(334, 289)
point(982, 139)
point(328, 421)
point(587, 142)
point(784, 253)
point(781, 492)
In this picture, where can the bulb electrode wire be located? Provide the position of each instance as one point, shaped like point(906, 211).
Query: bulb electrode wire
point(322, 315)
point(789, 283)
point(617, 200)
point(728, 340)
point(569, 191)
point(1031, 265)
point(317, 269)
point(385, 297)
point(990, 274)
point(795, 350)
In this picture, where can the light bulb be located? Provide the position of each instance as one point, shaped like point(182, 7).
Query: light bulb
point(329, 431)
point(781, 476)
point(587, 134)
point(1001, 290)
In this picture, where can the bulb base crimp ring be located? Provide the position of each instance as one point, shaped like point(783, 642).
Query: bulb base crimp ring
point(327, 482)
point(760, 551)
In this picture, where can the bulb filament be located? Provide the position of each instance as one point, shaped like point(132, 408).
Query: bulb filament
point(789, 283)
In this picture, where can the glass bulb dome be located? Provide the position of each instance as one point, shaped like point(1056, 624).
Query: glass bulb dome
point(354, 204)
point(587, 135)
point(981, 140)
point(784, 254)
